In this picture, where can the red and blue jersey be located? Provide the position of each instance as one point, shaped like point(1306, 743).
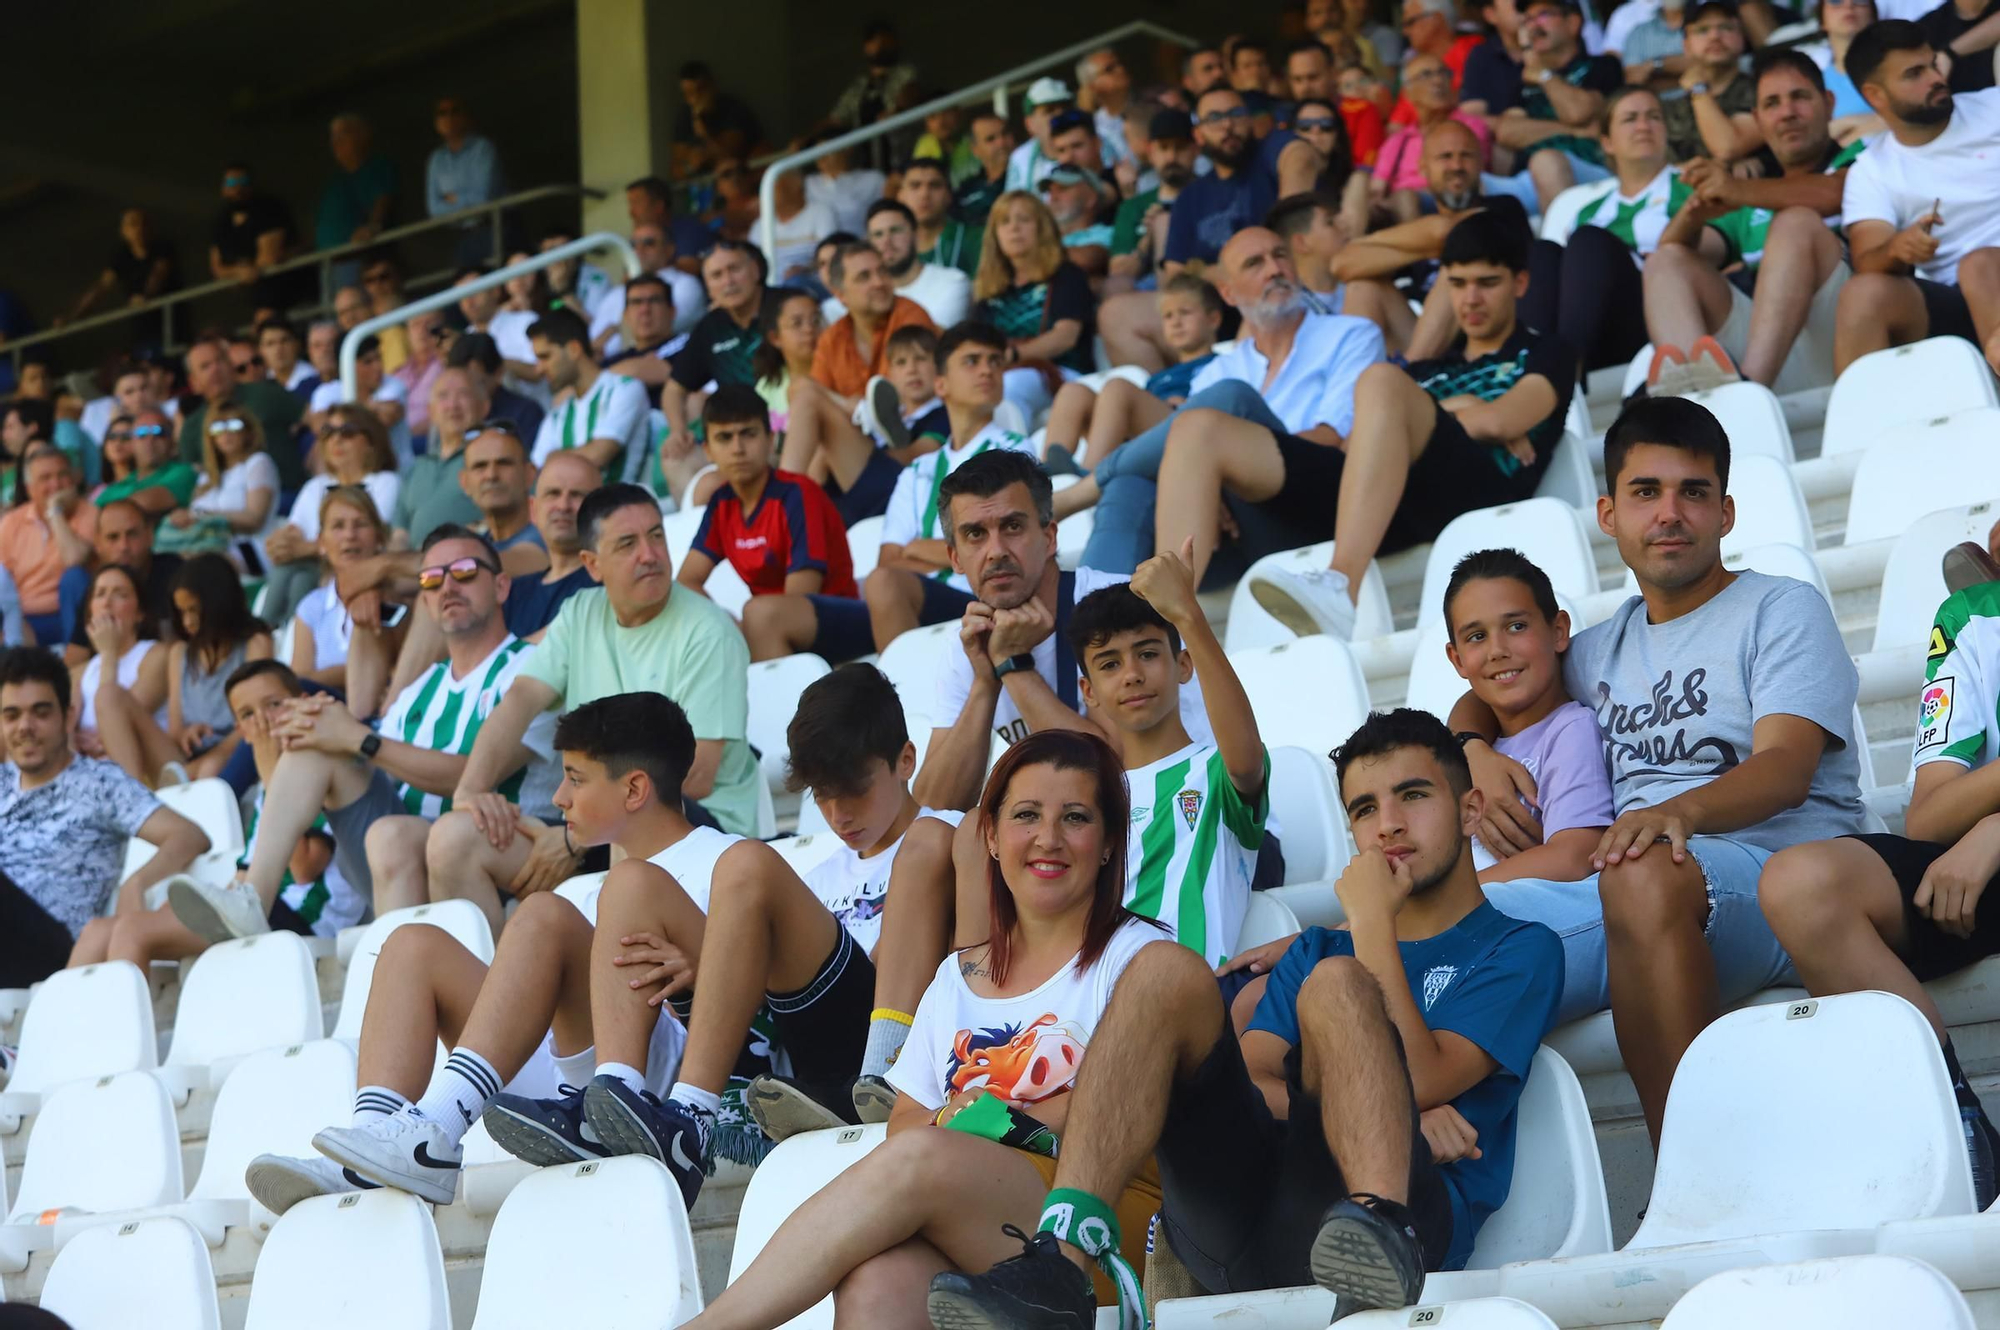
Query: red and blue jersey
point(793, 528)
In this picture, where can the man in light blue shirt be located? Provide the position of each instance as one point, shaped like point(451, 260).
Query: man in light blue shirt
point(463, 172)
point(1292, 372)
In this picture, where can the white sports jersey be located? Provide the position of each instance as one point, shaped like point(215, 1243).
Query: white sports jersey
point(1958, 719)
point(444, 714)
point(854, 889)
point(615, 408)
point(690, 860)
point(1193, 848)
point(912, 513)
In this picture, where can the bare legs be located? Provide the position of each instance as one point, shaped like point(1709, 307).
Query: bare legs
point(304, 783)
point(1877, 311)
point(1801, 253)
point(777, 626)
point(462, 864)
point(131, 737)
point(1662, 975)
point(1686, 298)
point(639, 899)
point(895, 599)
point(396, 863)
point(138, 936)
point(821, 439)
point(1208, 451)
point(917, 915)
point(1130, 326)
point(1393, 420)
point(1382, 305)
point(1114, 414)
point(1552, 174)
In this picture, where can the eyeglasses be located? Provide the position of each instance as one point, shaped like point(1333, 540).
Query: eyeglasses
point(1315, 122)
point(343, 429)
point(1223, 117)
point(460, 570)
point(148, 431)
point(228, 426)
point(118, 436)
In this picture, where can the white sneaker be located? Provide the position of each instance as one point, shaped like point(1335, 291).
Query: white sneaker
point(1310, 601)
point(280, 1182)
point(404, 1150)
point(219, 914)
point(173, 773)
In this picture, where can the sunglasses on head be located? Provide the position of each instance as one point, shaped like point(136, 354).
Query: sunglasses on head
point(225, 426)
point(460, 570)
point(148, 431)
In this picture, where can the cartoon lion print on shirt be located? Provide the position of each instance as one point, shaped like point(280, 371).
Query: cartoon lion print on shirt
point(1022, 1063)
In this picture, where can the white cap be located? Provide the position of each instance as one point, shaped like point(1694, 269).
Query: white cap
point(1048, 92)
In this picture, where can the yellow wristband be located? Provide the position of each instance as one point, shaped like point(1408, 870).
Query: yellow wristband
point(891, 1014)
point(937, 1118)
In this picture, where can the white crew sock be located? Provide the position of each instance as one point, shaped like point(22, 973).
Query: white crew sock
point(459, 1093)
point(635, 1080)
point(377, 1101)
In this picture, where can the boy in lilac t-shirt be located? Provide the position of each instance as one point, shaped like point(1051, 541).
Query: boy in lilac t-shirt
point(1507, 640)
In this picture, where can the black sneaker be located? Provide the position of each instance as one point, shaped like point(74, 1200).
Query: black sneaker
point(1060, 461)
point(544, 1132)
point(630, 1122)
point(1041, 1289)
point(1982, 1148)
point(1367, 1253)
point(785, 1106)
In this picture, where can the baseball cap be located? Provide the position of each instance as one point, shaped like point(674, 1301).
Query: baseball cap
point(1067, 175)
point(1048, 92)
point(1065, 121)
point(1171, 125)
point(1726, 8)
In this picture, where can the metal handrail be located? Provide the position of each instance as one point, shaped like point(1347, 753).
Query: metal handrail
point(767, 189)
point(324, 259)
point(350, 344)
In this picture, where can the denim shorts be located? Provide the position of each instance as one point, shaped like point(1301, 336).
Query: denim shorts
point(1747, 954)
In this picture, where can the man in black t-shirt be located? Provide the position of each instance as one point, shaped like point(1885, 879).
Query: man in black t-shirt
point(1432, 440)
point(250, 233)
point(719, 349)
point(1970, 70)
point(1552, 123)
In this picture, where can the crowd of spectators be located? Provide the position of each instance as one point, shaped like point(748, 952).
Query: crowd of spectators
point(476, 668)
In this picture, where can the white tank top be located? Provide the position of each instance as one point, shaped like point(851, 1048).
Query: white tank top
point(691, 860)
point(127, 676)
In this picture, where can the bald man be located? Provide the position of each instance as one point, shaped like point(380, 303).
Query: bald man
point(1292, 373)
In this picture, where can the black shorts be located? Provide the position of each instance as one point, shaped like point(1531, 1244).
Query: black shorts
point(942, 601)
point(1931, 952)
point(823, 1027)
point(1946, 311)
point(1455, 475)
point(846, 630)
point(869, 496)
point(34, 944)
point(1243, 1194)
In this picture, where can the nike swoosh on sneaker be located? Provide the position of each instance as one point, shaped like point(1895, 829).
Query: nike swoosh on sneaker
point(680, 1155)
point(422, 1154)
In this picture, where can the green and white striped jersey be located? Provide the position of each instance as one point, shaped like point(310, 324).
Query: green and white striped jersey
point(1958, 714)
point(1193, 847)
point(444, 714)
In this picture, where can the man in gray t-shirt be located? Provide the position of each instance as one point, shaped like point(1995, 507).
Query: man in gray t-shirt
point(1725, 702)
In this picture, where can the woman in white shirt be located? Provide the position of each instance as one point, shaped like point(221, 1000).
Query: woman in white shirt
point(127, 669)
point(998, 1037)
point(353, 449)
point(239, 482)
point(330, 644)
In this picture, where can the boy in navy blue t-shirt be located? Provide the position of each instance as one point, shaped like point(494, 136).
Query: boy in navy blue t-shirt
point(1364, 1128)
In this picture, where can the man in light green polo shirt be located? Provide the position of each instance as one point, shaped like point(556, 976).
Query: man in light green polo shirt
point(635, 632)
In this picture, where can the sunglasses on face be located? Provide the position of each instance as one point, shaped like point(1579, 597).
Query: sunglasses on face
point(1223, 117)
point(460, 570)
point(229, 426)
point(148, 431)
point(343, 430)
point(118, 436)
point(1314, 122)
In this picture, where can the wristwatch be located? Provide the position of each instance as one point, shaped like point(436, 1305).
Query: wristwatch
point(1465, 737)
point(1544, 75)
point(1024, 661)
point(1698, 89)
point(371, 745)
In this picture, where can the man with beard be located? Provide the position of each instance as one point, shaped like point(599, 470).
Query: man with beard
point(1364, 1127)
point(1236, 194)
point(1919, 206)
point(1774, 236)
point(1073, 196)
point(605, 415)
point(1552, 121)
point(944, 292)
point(856, 347)
point(940, 239)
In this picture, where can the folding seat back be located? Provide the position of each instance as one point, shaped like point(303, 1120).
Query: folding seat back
point(1841, 1293)
point(104, 1145)
point(775, 686)
point(211, 805)
point(151, 1272)
point(1753, 418)
point(1769, 508)
point(1547, 531)
point(620, 1220)
point(460, 918)
point(804, 1164)
point(238, 997)
point(1892, 482)
point(273, 1103)
point(1913, 582)
point(363, 1258)
point(1556, 1205)
point(90, 1021)
point(1251, 625)
point(1569, 476)
point(1306, 806)
point(1939, 376)
point(1309, 691)
point(864, 546)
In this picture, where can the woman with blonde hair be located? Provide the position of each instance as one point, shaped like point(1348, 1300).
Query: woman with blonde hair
point(349, 645)
point(353, 449)
point(1040, 301)
point(237, 493)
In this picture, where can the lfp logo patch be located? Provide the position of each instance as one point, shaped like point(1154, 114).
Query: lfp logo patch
point(1190, 802)
point(1934, 713)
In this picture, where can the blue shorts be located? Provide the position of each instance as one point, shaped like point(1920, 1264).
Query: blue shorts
point(869, 496)
point(845, 632)
point(1747, 954)
point(942, 602)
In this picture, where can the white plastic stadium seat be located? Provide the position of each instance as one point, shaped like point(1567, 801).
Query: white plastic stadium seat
point(1555, 1207)
point(1753, 418)
point(912, 663)
point(803, 1165)
point(864, 546)
point(366, 1258)
point(1925, 380)
point(100, 1147)
point(150, 1272)
point(1917, 465)
point(1964, 1248)
point(1769, 508)
point(775, 686)
point(1548, 531)
point(1569, 477)
point(1781, 561)
point(1266, 919)
point(1772, 1150)
point(462, 919)
point(1309, 691)
point(1846, 1293)
point(91, 1021)
point(272, 1103)
point(1251, 625)
point(1913, 583)
point(239, 997)
point(622, 1220)
point(805, 852)
point(1306, 804)
point(1466, 1314)
point(1434, 685)
point(211, 805)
